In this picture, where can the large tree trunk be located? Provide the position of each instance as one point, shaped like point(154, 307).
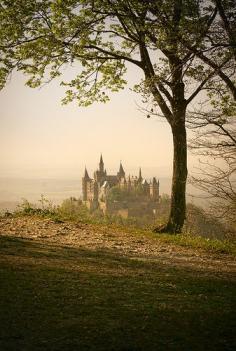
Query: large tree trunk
point(179, 178)
point(178, 197)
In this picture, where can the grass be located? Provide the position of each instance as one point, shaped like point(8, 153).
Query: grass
point(184, 240)
point(61, 298)
point(198, 242)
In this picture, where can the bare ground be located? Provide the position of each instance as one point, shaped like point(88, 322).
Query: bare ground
point(126, 243)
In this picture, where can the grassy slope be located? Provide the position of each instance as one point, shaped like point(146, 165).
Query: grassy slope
point(62, 298)
point(190, 241)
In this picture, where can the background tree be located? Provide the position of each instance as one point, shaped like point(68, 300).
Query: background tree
point(164, 39)
point(215, 124)
point(215, 143)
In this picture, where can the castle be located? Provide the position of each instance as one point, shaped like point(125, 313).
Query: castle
point(120, 195)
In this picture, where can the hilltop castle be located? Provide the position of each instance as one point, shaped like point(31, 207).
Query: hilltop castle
point(118, 194)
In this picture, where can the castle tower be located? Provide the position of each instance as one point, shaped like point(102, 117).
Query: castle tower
point(121, 173)
point(101, 164)
point(154, 189)
point(145, 187)
point(100, 174)
point(140, 178)
point(95, 192)
point(85, 181)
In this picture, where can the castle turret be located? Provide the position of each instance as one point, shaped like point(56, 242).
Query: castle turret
point(95, 192)
point(101, 164)
point(154, 189)
point(140, 178)
point(145, 187)
point(100, 174)
point(121, 173)
point(86, 176)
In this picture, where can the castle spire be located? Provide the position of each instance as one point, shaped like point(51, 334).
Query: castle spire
point(86, 176)
point(101, 164)
point(121, 172)
point(140, 178)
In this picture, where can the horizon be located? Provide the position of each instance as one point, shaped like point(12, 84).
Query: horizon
point(14, 190)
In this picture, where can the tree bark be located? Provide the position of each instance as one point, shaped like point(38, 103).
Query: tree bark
point(179, 179)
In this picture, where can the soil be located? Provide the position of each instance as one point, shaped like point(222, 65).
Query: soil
point(125, 243)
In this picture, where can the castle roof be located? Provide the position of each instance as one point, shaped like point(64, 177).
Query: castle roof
point(144, 182)
point(101, 160)
point(86, 176)
point(154, 181)
point(140, 174)
point(112, 179)
point(121, 171)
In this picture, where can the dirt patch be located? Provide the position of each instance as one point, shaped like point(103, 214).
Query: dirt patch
point(130, 244)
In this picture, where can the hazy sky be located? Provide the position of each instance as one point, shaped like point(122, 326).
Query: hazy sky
point(41, 138)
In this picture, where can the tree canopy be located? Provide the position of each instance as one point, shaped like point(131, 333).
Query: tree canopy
point(41, 37)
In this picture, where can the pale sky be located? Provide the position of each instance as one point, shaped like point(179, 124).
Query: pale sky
point(41, 138)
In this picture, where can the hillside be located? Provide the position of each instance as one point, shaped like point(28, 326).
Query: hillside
point(76, 286)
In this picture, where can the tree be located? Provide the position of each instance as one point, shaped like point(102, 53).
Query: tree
point(214, 124)
point(215, 141)
point(164, 39)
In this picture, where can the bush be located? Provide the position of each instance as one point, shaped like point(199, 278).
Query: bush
point(73, 209)
point(45, 208)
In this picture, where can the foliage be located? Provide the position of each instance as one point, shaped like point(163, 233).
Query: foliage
point(41, 37)
point(73, 209)
point(46, 208)
point(118, 194)
point(199, 242)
